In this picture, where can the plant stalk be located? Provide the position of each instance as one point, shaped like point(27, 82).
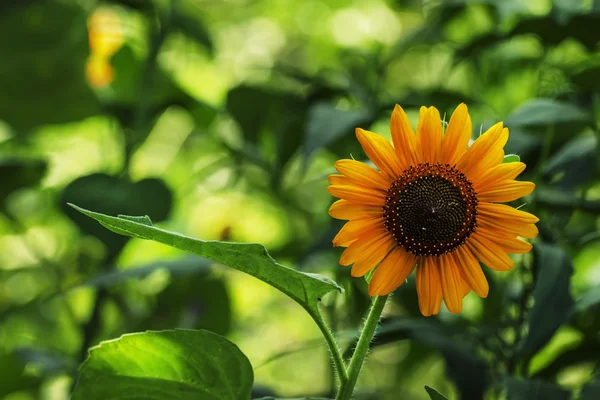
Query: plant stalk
point(362, 348)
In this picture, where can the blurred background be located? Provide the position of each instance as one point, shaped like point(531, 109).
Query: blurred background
point(221, 119)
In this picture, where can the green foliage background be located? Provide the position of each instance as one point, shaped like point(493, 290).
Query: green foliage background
point(222, 122)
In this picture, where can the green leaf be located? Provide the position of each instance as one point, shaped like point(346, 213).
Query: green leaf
point(552, 275)
point(591, 391)
point(187, 17)
point(557, 199)
point(165, 365)
point(328, 123)
point(574, 163)
point(535, 390)
point(511, 158)
point(305, 288)
point(19, 173)
point(434, 394)
point(543, 112)
point(113, 195)
point(145, 220)
point(12, 377)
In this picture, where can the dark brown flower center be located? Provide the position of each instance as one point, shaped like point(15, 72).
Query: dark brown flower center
point(431, 209)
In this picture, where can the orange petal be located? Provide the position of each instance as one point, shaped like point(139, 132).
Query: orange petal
point(508, 227)
point(506, 191)
point(404, 138)
point(357, 228)
point(372, 255)
point(503, 211)
point(502, 172)
point(452, 288)
point(360, 248)
point(429, 286)
point(343, 209)
point(471, 271)
point(362, 174)
point(489, 253)
point(392, 272)
point(358, 194)
point(429, 134)
point(337, 179)
point(509, 244)
point(381, 152)
point(483, 145)
point(457, 135)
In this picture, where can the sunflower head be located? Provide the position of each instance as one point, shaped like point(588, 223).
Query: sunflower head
point(432, 204)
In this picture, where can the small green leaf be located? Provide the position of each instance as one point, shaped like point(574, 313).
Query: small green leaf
point(434, 394)
point(252, 258)
point(542, 112)
point(535, 390)
point(552, 275)
point(511, 158)
point(165, 365)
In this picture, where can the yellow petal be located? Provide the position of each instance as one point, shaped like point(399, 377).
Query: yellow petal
point(429, 287)
point(502, 172)
point(509, 244)
point(429, 134)
point(358, 194)
point(359, 248)
point(507, 226)
point(381, 152)
point(503, 211)
point(343, 209)
point(485, 143)
point(337, 179)
point(457, 135)
point(489, 253)
point(356, 228)
point(471, 271)
point(506, 191)
point(392, 272)
point(362, 174)
point(451, 285)
point(404, 138)
point(372, 255)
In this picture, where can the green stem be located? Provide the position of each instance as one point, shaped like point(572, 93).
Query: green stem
point(336, 354)
point(362, 348)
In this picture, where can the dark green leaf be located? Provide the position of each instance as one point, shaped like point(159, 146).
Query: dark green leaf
point(113, 196)
point(328, 123)
point(434, 394)
point(43, 65)
point(511, 158)
point(552, 275)
point(543, 112)
point(164, 365)
point(535, 390)
point(253, 259)
point(19, 173)
point(574, 163)
point(187, 17)
point(557, 199)
point(591, 391)
point(12, 377)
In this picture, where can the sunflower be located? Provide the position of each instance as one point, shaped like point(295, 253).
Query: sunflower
point(432, 204)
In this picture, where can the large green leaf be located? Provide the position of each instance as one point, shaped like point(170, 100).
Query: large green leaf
point(305, 288)
point(165, 365)
point(552, 275)
point(535, 390)
point(574, 163)
point(543, 112)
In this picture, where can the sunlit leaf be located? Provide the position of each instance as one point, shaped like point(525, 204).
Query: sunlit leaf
point(305, 288)
point(434, 394)
point(552, 276)
point(165, 365)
